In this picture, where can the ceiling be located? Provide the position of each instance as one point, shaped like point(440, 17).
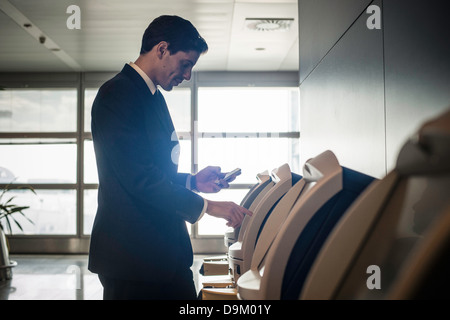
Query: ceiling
point(111, 30)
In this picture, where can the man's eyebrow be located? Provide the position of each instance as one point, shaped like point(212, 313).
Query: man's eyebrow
point(189, 61)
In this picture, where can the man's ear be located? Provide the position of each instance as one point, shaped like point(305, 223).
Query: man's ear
point(162, 49)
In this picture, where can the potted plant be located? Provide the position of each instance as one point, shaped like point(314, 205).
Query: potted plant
point(8, 211)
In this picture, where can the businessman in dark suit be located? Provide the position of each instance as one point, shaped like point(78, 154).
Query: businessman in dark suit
point(140, 246)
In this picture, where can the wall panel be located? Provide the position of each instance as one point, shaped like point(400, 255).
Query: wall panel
point(342, 102)
point(322, 23)
point(417, 66)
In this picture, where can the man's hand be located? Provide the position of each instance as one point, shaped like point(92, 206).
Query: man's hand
point(206, 180)
point(229, 211)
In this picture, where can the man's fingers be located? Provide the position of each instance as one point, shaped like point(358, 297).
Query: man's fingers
point(239, 215)
point(223, 184)
point(216, 170)
point(246, 212)
point(215, 188)
point(230, 211)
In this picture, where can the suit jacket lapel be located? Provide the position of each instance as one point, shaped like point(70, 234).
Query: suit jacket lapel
point(163, 112)
point(159, 110)
point(156, 101)
point(167, 122)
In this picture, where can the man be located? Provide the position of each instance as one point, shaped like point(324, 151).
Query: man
point(140, 247)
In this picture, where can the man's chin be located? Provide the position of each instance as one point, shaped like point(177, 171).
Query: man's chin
point(167, 87)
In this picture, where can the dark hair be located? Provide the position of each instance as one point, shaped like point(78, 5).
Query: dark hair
point(179, 33)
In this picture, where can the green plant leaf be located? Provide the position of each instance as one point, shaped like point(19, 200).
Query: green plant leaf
point(8, 224)
point(10, 199)
point(18, 224)
point(18, 209)
point(7, 209)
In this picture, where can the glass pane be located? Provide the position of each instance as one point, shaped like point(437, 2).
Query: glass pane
point(89, 96)
point(248, 110)
point(179, 105)
point(252, 155)
point(90, 165)
point(184, 164)
point(36, 110)
point(89, 210)
point(38, 161)
point(209, 225)
point(189, 227)
point(52, 211)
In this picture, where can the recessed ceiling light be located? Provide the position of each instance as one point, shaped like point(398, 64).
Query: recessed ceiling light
point(268, 24)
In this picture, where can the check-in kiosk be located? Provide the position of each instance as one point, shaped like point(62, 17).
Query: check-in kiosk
point(219, 265)
point(283, 257)
point(250, 201)
point(394, 242)
point(251, 228)
point(241, 251)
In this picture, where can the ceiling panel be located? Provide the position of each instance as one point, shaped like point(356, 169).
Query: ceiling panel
point(111, 32)
point(261, 50)
point(19, 51)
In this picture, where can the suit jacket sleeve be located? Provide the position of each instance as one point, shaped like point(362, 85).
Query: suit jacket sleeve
point(181, 178)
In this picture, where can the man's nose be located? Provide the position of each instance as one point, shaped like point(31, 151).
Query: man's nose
point(187, 75)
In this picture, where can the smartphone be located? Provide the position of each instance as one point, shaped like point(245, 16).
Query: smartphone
point(236, 171)
point(227, 177)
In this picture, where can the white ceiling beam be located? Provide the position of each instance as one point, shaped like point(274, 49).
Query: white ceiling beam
point(34, 31)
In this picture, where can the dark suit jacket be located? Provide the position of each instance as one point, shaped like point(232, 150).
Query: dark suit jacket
point(139, 232)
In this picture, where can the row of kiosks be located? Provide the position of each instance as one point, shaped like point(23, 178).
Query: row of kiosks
point(336, 233)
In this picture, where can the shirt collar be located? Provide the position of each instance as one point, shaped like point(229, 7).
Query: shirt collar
point(144, 76)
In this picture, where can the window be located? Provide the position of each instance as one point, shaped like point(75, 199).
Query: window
point(53, 212)
point(38, 147)
point(242, 127)
point(31, 161)
point(38, 110)
point(46, 142)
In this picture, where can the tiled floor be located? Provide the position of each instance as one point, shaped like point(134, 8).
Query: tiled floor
point(57, 277)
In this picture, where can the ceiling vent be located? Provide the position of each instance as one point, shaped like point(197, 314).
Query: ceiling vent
point(268, 24)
